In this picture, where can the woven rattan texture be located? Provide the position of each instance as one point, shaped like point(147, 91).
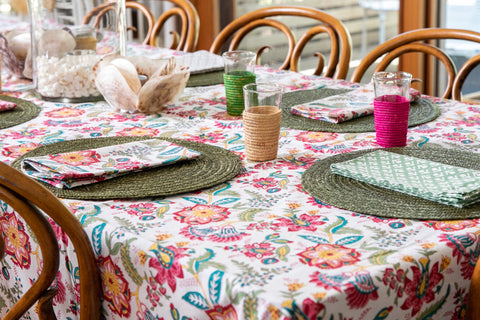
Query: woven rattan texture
point(216, 165)
point(25, 111)
point(353, 195)
point(421, 111)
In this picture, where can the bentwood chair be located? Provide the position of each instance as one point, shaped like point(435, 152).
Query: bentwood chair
point(97, 13)
point(34, 204)
point(189, 24)
point(462, 75)
point(473, 307)
point(420, 41)
point(339, 46)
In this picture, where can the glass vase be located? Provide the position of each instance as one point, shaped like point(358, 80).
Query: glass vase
point(67, 42)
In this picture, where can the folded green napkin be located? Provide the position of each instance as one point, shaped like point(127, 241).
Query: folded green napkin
point(426, 179)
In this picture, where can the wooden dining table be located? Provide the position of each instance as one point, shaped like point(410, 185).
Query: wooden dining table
point(258, 245)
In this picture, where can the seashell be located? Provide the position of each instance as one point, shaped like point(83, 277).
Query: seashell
point(19, 43)
point(147, 66)
point(118, 81)
point(128, 71)
point(115, 89)
point(56, 42)
point(12, 66)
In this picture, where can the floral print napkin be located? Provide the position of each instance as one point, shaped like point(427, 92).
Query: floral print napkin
point(426, 179)
point(342, 107)
point(72, 169)
point(6, 105)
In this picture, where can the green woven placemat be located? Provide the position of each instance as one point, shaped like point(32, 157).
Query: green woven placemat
point(216, 165)
point(350, 194)
point(25, 111)
point(421, 111)
point(205, 79)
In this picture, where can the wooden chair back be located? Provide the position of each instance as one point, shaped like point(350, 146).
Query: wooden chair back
point(473, 307)
point(420, 40)
point(98, 12)
point(34, 204)
point(462, 75)
point(189, 26)
point(340, 40)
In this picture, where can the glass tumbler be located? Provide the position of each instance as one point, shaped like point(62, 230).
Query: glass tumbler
point(65, 50)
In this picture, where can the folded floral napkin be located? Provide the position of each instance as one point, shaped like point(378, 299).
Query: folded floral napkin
point(72, 169)
point(203, 61)
point(342, 107)
point(6, 105)
point(426, 179)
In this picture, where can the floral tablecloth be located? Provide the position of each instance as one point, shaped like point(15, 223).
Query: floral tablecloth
point(255, 247)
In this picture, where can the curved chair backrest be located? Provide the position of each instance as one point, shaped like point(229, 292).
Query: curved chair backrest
point(29, 199)
point(190, 26)
point(462, 75)
point(98, 12)
point(473, 307)
point(340, 40)
point(416, 41)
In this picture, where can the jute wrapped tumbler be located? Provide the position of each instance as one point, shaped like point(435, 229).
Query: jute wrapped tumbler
point(261, 121)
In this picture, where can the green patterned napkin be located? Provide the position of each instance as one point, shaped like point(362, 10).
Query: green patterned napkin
point(426, 179)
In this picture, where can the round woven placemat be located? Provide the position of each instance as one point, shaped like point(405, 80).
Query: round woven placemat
point(351, 194)
point(421, 111)
point(25, 111)
point(205, 79)
point(216, 165)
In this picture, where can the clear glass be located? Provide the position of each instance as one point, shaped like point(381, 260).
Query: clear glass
point(395, 83)
point(65, 50)
point(260, 96)
point(239, 62)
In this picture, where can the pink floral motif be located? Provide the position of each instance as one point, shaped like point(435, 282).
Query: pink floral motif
point(17, 151)
point(450, 225)
point(77, 158)
point(141, 209)
point(115, 287)
point(202, 214)
point(212, 137)
point(17, 241)
point(421, 288)
point(361, 291)
point(265, 183)
point(294, 223)
point(168, 271)
point(26, 133)
point(222, 313)
point(329, 256)
point(136, 131)
point(259, 250)
point(65, 113)
point(312, 136)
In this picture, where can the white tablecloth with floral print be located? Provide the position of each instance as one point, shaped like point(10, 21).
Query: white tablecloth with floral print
point(255, 247)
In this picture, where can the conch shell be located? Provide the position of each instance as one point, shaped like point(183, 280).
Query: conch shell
point(117, 79)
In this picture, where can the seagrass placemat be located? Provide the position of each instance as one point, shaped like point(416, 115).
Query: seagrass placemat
point(23, 112)
point(216, 165)
point(421, 111)
point(360, 197)
point(205, 79)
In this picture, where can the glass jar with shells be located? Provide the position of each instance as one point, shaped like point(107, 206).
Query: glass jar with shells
point(68, 42)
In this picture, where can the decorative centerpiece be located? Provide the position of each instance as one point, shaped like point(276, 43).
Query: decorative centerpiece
point(118, 80)
point(65, 53)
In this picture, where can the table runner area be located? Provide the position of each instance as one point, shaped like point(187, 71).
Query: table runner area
point(421, 111)
point(215, 166)
point(354, 195)
point(25, 111)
